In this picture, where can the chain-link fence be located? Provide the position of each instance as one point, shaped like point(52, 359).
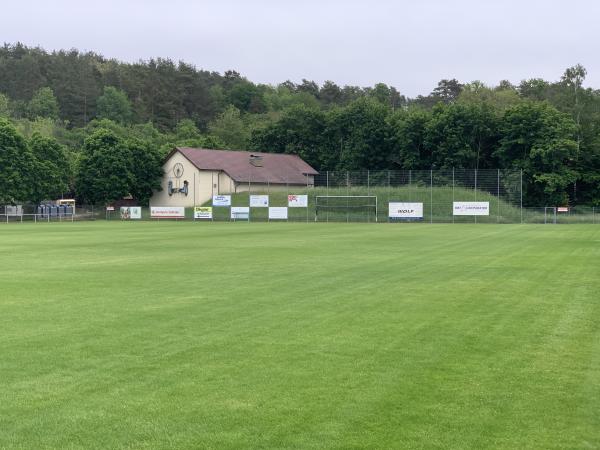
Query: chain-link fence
point(562, 215)
point(436, 191)
point(428, 196)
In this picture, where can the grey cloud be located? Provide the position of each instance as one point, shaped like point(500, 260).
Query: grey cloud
point(410, 45)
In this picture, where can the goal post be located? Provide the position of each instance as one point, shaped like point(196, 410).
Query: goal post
point(345, 208)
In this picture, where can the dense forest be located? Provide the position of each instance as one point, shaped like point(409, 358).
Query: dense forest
point(68, 118)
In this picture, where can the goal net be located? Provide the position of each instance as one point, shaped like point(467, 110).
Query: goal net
point(345, 208)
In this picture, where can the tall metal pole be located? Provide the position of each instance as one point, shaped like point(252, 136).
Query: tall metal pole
point(347, 194)
point(368, 194)
point(498, 197)
point(521, 195)
point(249, 190)
point(327, 215)
point(453, 195)
point(431, 196)
point(475, 192)
point(389, 191)
point(307, 179)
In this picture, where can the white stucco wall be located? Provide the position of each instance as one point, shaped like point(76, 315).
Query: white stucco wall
point(200, 184)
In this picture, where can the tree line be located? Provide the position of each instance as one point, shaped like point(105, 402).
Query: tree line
point(98, 129)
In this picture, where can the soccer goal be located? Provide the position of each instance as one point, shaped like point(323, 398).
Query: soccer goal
point(346, 208)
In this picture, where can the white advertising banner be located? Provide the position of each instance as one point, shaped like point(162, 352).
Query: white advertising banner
point(240, 212)
point(203, 212)
point(259, 201)
point(471, 208)
point(399, 210)
point(221, 200)
point(278, 213)
point(167, 212)
point(131, 212)
point(297, 201)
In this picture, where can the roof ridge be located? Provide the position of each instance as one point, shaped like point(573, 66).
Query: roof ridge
point(227, 150)
point(277, 167)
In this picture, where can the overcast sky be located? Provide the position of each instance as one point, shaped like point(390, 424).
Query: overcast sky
point(407, 44)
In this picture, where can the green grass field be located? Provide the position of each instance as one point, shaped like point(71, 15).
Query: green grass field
point(237, 335)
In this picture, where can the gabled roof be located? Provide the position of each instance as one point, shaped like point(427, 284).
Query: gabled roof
point(276, 168)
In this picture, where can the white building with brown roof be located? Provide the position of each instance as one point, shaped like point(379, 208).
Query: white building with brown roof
point(193, 175)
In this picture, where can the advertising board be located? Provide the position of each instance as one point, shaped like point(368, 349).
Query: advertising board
point(471, 208)
point(167, 212)
point(297, 201)
point(401, 210)
point(278, 213)
point(259, 201)
point(203, 212)
point(221, 200)
point(240, 213)
point(131, 212)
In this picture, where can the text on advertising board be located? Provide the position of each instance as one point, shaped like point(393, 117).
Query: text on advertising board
point(167, 212)
point(401, 210)
point(259, 201)
point(297, 201)
point(240, 212)
point(221, 200)
point(203, 212)
point(471, 208)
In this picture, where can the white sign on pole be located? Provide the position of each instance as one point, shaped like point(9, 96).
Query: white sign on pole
point(297, 201)
point(259, 201)
point(221, 200)
point(471, 208)
point(400, 210)
point(203, 212)
point(240, 212)
point(131, 212)
point(278, 213)
point(167, 212)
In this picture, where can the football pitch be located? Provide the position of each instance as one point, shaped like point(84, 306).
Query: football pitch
point(262, 335)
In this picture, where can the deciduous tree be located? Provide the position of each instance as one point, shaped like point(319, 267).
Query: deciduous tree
point(16, 165)
point(229, 127)
point(540, 140)
point(114, 105)
point(51, 171)
point(146, 169)
point(43, 104)
point(105, 172)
